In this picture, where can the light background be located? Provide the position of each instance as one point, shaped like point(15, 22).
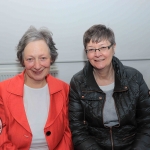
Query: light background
point(68, 20)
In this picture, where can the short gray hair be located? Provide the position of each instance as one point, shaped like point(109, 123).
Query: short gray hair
point(98, 33)
point(32, 34)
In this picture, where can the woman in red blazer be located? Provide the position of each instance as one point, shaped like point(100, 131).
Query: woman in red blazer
point(33, 104)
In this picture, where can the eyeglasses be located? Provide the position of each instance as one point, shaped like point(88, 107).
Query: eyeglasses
point(102, 49)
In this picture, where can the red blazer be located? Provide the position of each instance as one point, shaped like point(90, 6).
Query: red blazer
point(15, 133)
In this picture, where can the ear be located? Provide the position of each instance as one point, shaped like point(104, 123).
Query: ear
point(51, 62)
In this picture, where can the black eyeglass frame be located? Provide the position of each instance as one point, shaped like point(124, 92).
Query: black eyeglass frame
point(100, 48)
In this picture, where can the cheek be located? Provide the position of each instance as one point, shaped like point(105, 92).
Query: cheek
point(89, 56)
point(28, 66)
point(46, 64)
point(111, 55)
point(108, 55)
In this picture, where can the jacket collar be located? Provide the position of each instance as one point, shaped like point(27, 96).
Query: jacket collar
point(18, 88)
point(90, 80)
point(120, 75)
point(16, 104)
point(14, 88)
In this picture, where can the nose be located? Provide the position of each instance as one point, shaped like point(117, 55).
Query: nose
point(37, 64)
point(97, 53)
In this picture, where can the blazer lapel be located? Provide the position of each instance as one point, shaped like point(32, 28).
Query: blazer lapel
point(16, 107)
point(15, 101)
point(56, 102)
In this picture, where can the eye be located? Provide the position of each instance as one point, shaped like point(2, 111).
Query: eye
point(91, 50)
point(30, 59)
point(103, 48)
point(43, 58)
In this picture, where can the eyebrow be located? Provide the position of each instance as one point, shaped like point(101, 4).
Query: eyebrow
point(38, 56)
point(100, 45)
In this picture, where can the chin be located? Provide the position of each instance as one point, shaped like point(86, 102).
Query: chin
point(39, 80)
point(99, 67)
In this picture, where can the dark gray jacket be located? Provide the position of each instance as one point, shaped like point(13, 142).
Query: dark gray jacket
point(132, 102)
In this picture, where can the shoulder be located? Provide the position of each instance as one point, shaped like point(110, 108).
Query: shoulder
point(133, 76)
point(8, 81)
point(78, 77)
point(3, 86)
point(6, 85)
point(13, 85)
point(17, 77)
point(57, 82)
point(132, 71)
point(5, 82)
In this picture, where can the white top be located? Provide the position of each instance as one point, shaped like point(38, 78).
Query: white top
point(37, 103)
point(110, 117)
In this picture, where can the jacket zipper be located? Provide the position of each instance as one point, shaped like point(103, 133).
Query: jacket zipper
point(116, 126)
point(116, 107)
point(111, 137)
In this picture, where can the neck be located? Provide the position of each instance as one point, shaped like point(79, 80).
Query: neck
point(105, 76)
point(34, 83)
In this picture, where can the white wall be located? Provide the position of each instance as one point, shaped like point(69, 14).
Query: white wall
point(68, 20)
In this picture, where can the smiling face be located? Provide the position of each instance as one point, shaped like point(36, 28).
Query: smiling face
point(37, 62)
point(100, 60)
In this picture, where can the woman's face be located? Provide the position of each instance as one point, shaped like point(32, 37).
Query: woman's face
point(37, 62)
point(100, 60)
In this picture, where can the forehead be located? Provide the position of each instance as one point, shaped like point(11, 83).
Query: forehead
point(93, 43)
point(36, 47)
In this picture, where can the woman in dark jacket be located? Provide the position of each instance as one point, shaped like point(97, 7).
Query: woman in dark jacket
point(109, 102)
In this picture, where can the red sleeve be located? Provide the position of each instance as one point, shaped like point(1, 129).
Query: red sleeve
point(5, 144)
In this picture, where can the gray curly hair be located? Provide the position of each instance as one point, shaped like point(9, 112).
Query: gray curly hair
point(32, 34)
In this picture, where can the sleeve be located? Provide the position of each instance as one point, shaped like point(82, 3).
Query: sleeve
point(66, 142)
point(5, 144)
point(142, 139)
point(81, 138)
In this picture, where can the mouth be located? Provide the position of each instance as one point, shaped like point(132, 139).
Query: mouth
point(99, 60)
point(37, 72)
